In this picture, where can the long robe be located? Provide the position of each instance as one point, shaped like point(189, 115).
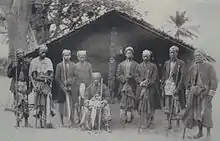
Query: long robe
point(176, 73)
point(199, 107)
point(83, 73)
point(146, 71)
point(70, 83)
point(127, 90)
point(22, 73)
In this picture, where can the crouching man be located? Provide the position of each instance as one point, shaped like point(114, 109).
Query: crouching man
point(98, 94)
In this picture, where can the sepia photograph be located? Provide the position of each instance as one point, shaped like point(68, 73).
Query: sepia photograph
point(109, 70)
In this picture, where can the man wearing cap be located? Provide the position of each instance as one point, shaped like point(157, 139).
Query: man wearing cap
point(83, 77)
point(146, 77)
point(41, 75)
point(65, 77)
point(20, 66)
point(127, 87)
point(93, 91)
point(172, 83)
point(201, 89)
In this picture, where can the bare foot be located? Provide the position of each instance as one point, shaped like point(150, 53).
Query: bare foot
point(199, 135)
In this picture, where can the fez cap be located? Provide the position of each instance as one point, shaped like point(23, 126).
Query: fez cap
point(66, 52)
point(96, 75)
point(81, 53)
point(174, 48)
point(146, 52)
point(129, 49)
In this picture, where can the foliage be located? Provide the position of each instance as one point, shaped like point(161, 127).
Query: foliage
point(179, 25)
point(53, 18)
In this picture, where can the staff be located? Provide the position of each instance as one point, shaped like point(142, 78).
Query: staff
point(67, 95)
point(100, 110)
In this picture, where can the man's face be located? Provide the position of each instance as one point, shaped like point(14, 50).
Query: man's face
point(82, 58)
point(42, 53)
point(20, 55)
point(67, 57)
point(112, 60)
point(173, 54)
point(146, 57)
point(198, 57)
point(96, 81)
point(129, 54)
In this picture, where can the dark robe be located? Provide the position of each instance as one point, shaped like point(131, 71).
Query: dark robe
point(178, 77)
point(199, 107)
point(127, 90)
point(23, 67)
point(59, 78)
point(93, 89)
point(147, 71)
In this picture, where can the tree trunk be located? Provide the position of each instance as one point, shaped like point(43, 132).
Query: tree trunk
point(18, 21)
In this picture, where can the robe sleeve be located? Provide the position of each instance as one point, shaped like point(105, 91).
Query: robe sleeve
point(138, 77)
point(163, 73)
point(106, 92)
point(153, 76)
point(11, 70)
point(58, 78)
point(213, 83)
point(87, 93)
point(119, 74)
point(90, 73)
point(181, 79)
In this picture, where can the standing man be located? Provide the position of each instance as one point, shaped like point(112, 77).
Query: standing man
point(146, 77)
point(201, 89)
point(126, 76)
point(21, 67)
point(83, 78)
point(41, 74)
point(172, 82)
point(65, 79)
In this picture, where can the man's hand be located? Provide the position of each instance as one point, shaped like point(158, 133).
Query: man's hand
point(15, 65)
point(142, 83)
point(210, 98)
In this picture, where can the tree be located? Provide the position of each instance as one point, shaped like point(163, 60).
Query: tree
point(180, 25)
point(66, 15)
point(49, 19)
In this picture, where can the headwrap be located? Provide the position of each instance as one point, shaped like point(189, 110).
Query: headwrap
point(129, 49)
point(147, 52)
point(81, 53)
point(43, 48)
point(66, 52)
point(200, 54)
point(96, 75)
point(174, 48)
point(19, 51)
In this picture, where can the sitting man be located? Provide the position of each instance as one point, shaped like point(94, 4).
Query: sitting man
point(98, 94)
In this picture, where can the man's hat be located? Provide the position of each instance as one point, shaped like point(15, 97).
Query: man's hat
point(129, 49)
point(174, 48)
point(81, 53)
point(96, 75)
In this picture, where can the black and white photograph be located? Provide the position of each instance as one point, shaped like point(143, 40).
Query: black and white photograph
point(109, 70)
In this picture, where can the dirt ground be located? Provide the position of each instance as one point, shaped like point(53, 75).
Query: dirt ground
point(9, 133)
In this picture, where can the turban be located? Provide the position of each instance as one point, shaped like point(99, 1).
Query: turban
point(43, 48)
point(81, 53)
point(174, 48)
point(96, 75)
point(146, 52)
point(19, 51)
point(66, 52)
point(129, 48)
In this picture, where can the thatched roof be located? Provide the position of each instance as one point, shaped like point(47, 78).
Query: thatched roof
point(141, 23)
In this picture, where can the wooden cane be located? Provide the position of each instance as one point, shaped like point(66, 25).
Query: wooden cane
point(100, 110)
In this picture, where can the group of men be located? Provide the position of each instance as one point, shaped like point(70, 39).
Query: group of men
point(82, 92)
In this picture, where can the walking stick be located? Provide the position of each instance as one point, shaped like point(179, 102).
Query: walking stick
point(16, 92)
point(100, 110)
point(67, 96)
